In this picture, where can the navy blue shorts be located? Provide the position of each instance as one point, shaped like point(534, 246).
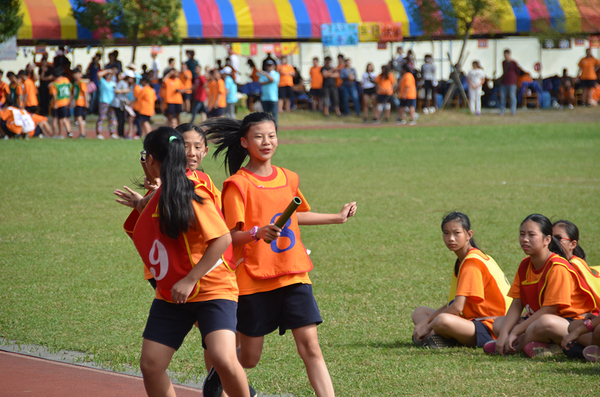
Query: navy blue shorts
point(169, 323)
point(587, 83)
point(80, 111)
point(216, 112)
point(483, 333)
point(408, 103)
point(143, 118)
point(186, 97)
point(286, 92)
point(174, 108)
point(289, 307)
point(384, 98)
point(31, 109)
point(63, 112)
point(318, 92)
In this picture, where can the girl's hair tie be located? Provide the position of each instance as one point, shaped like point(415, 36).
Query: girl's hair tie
point(172, 138)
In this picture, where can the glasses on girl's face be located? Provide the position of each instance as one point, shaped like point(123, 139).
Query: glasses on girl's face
point(143, 155)
point(562, 238)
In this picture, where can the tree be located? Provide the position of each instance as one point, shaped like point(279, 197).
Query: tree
point(10, 19)
point(139, 21)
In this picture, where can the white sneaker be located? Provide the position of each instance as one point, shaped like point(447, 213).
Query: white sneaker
point(401, 122)
point(114, 136)
point(570, 106)
point(99, 137)
point(425, 110)
point(416, 115)
point(431, 110)
point(412, 122)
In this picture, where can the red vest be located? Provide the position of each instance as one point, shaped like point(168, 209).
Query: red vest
point(532, 293)
point(263, 205)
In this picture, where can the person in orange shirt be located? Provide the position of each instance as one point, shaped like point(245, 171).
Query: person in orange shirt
point(60, 90)
point(196, 288)
point(316, 85)
point(186, 80)
point(145, 99)
point(477, 294)
point(8, 127)
point(254, 76)
point(588, 74)
point(217, 95)
point(341, 65)
point(173, 88)
point(81, 99)
point(286, 82)
point(548, 294)
point(275, 290)
point(14, 89)
point(4, 90)
point(385, 89)
point(30, 93)
point(407, 93)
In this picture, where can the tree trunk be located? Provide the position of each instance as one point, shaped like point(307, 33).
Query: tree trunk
point(135, 43)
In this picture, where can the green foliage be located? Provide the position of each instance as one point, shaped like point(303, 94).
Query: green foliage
point(96, 17)
point(10, 19)
point(72, 279)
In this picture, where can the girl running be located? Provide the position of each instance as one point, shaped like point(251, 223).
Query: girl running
point(183, 240)
point(477, 294)
point(275, 290)
point(548, 289)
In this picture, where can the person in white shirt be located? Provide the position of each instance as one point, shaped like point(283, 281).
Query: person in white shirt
point(369, 90)
point(155, 63)
point(475, 79)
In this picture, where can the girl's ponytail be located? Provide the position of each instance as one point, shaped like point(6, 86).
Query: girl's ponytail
point(573, 233)
point(227, 134)
point(175, 208)
point(546, 229)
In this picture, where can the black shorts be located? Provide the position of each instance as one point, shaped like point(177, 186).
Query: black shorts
point(187, 97)
point(384, 98)
point(587, 83)
point(63, 112)
point(408, 102)
point(286, 92)
point(143, 118)
point(482, 333)
point(331, 96)
point(31, 109)
point(169, 323)
point(289, 307)
point(370, 91)
point(316, 92)
point(174, 109)
point(216, 112)
point(80, 111)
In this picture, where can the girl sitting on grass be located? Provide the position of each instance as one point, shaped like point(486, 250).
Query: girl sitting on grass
point(477, 294)
point(183, 240)
point(275, 290)
point(548, 289)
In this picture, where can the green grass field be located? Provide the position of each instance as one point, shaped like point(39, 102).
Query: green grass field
point(71, 278)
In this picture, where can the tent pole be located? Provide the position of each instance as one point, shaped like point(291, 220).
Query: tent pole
point(214, 46)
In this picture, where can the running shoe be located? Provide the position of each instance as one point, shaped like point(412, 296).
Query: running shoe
point(490, 347)
point(540, 349)
point(417, 342)
point(592, 353)
point(212, 386)
point(439, 342)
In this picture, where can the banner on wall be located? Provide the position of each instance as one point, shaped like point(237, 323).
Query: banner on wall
point(8, 49)
point(594, 41)
point(380, 32)
point(280, 49)
point(390, 32)
point(368, 31)
point(339, 34)
point(556, 44)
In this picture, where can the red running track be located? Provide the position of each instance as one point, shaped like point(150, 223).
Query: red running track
point(22, 375)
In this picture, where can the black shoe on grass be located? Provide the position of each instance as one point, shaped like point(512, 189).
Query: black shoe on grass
point(438, 342)
point(212, 386)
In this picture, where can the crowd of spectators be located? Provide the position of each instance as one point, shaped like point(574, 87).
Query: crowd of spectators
point(126, 98)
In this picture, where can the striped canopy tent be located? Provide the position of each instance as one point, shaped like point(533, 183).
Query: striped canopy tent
point(302, 19)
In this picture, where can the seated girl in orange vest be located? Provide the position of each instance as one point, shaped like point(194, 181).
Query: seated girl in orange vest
point(275, 290)
point(581, 332)
point(477, 294)
point(548, 294)
point(184, 242)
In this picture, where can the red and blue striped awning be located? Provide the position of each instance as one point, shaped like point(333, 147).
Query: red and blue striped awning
point(302, 19)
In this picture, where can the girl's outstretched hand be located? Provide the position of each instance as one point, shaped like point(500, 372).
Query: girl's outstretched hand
point(347, 211)
point(129, 199)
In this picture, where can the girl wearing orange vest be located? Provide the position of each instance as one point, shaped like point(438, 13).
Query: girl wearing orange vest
point(581, 332)
point(275, 290)
point(477, 294)
point(547, 291)
point(183, 241)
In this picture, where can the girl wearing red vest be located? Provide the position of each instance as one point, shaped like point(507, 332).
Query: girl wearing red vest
point(547, 291)
point(581, 332)
point(275, 290)
point(183, 241)
point(477, 294)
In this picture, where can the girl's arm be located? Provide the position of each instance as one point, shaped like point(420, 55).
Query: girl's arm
point(240, 237)
point(577, 332)
point(314, 218)
point(512, 317)
point(216, 248)
point(423, 328)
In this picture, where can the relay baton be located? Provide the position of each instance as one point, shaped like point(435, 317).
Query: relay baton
point(283, 218)
point(148, 176)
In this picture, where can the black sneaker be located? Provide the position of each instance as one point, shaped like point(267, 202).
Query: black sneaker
point(438, 342)
point(252, 391)
point(212, 386)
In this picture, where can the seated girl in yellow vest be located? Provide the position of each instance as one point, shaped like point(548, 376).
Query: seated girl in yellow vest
point(581, 332)
point(548, 294)
point(477, 294)
point(275, 290)
point(183, 241)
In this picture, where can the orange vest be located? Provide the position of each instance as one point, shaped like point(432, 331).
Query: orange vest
point(532, 294)
point(168, 260)
point(287, 254)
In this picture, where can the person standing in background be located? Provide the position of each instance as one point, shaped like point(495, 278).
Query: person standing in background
point(269, 96)
point(511, 71)
point(475, 79)
point(588, 74)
